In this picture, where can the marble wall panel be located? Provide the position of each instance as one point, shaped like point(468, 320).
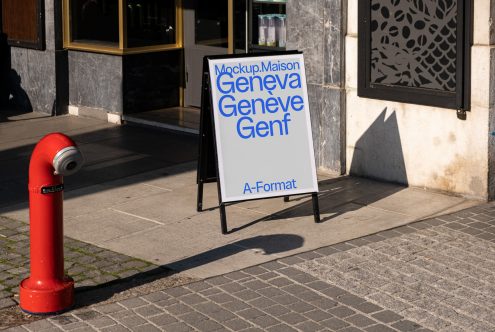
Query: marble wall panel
point(50, 25)
point(332, 132)
point(32, 77)
point(305, 32)
point(334, 28)
point(95, 80)
point(317, 27)
point(315, 105)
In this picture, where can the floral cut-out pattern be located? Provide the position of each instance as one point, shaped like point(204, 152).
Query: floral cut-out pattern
point(413, 43)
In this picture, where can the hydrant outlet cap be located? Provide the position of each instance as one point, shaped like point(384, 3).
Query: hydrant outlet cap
point(68, 161)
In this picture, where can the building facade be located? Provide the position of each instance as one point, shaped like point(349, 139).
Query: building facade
point(449, 149)
point(399, 91)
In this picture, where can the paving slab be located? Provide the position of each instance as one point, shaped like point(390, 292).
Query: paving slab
point(113, 225)
point(418, 203)
point(187, 233)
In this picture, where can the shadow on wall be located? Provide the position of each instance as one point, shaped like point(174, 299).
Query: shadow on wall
point(13, 98)
point(378, 153)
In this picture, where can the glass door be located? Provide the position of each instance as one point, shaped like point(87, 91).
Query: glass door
point(206, 32)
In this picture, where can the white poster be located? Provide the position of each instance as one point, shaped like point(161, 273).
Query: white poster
point(262, 127)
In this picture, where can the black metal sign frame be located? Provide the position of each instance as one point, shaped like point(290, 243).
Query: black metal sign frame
point(207, 170)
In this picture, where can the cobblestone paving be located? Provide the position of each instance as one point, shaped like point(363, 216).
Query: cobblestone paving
point(435, 275)
point(89, 265)
point(439, 277)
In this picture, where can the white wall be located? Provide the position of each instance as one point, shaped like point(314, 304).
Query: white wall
point(418, 145)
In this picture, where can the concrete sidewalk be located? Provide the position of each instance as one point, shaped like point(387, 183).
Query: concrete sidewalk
point(118, 204)
point(152, 216)
point(135, 200)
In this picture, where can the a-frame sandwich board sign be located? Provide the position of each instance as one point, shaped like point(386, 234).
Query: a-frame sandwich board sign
point(255, 129)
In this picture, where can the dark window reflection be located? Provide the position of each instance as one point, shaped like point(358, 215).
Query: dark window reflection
point(211, 26)
point(95, 21)
point(150, 22)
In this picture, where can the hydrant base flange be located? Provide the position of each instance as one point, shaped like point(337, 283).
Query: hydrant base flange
point(38, 301)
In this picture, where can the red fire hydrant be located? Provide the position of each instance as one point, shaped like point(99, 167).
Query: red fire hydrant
point(48, 290)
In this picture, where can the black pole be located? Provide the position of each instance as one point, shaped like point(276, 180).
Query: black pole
point(223, 218)
point(200, 195)
point(316, 207)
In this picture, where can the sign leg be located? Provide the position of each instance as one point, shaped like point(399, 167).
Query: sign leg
point(316, 207)
point(223, 218)
point(200, 196)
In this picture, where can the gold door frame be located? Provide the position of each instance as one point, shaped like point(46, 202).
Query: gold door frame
point(231, 26)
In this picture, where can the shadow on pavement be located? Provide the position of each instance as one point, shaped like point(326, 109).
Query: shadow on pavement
point(377, 154)
point(120, 152)
point(333, 203)
point(110, 154)
point(269, 244)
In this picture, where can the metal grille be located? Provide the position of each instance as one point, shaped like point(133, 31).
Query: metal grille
point(413, 43)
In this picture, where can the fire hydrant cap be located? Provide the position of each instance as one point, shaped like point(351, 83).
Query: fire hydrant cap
point(68, 161)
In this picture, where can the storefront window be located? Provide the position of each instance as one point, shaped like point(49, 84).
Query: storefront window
point(95, 21)
point(211, 25)
point(122, 26)
point(150, 22)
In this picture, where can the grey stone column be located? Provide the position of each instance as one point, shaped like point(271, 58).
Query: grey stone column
point(317, 28)
point(491, 103)
point(43, 74)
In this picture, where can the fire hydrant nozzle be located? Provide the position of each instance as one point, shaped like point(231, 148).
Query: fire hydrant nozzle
point(48, 290)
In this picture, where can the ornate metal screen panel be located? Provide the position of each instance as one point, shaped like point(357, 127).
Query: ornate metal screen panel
point(414, 51)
